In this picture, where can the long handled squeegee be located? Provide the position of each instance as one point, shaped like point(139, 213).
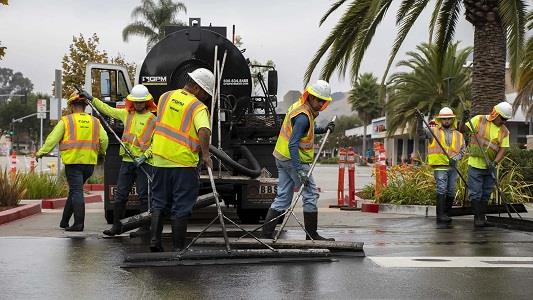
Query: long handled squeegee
point(290, 211)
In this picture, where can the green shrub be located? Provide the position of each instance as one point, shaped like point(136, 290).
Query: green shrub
point(368, 192)
point(11, 188)
point(98, 175)
point(523, 159)
point(44, 186)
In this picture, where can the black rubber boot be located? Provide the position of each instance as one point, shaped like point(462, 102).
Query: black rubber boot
point(311, 226)
point(442, 218)
point(79, 217)
point(482, 219)
point(67, 213)
point(144, 230)
point(449, 206)
point(156, 228)
point(118, 214)
point(479, 214)
point(270, 227)
point(179, 232)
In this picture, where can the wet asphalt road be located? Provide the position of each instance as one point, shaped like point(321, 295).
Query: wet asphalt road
point(39, 261)
point(89, 268)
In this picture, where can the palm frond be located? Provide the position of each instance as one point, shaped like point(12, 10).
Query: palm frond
point(137, 28)
point(333, 8)
point(446, 23)
point(405, 26)
point(512, 14)
point(433, 20)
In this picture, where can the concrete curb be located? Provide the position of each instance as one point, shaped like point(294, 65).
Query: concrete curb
point(418, 210)
point(60, 202)
point(20, 212)
point(93, 186)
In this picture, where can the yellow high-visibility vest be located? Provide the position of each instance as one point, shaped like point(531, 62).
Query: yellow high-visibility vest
point(436, 156)
point(491, 147)
point(305, 147)
point(80, 142)
point(138, 139)
point(175, 137)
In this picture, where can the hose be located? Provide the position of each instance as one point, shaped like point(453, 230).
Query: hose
point(235, 166)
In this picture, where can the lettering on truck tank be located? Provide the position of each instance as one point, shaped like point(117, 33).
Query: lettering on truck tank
point(154, 80)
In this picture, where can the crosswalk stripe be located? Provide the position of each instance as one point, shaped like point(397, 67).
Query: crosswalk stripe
point(453, 262)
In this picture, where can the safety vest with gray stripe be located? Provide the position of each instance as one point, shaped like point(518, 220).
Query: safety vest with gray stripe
point(137, 136)
point(491, 147)
point(306, 146)
point(81, 141)
point(175, 137)
point(436, 156)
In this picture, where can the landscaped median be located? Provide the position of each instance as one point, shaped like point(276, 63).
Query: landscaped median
point(60, 202)
point(19, 212)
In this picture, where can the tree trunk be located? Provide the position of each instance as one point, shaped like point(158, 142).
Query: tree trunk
point(488, 82)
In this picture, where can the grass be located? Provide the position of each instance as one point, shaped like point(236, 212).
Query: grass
point(44, 186)
point(12, 189)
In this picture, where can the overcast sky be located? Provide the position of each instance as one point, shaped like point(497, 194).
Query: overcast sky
point(37, 33)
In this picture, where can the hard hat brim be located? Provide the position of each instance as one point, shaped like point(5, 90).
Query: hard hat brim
point(201, 84)
point(141, 99)
point(318, 96)
point(445, 116)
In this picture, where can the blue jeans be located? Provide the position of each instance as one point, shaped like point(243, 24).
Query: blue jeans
point(175, 188)
point(446, 181)
point(288, 179)
point(76, 175)
point(128, 175)
point(480, 184)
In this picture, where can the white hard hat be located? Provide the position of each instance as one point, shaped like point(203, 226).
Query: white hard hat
point(504, 109)
point(204, 78)
point(320, 89)
point(445, 113)
point(139, 93)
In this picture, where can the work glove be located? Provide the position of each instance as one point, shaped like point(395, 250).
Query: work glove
point(492, 167)
point(86, 95)
point(140, 160)
point(330, 127)
point(302, 175)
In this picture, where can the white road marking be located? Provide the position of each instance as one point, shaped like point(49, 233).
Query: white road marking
point(453, 262)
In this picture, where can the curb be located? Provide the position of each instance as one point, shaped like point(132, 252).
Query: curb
point(20, 212)
point(370, 207)
point(417, 210)
point(60, 202)
point(93, 186)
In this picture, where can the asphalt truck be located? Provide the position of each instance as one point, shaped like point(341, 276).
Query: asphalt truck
point(244, 168)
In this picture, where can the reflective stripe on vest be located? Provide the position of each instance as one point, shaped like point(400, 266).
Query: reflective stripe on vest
point(436, 155)
point(306, 143)
point(142, 141)
point(175, 137)
point(483, 135)
point(72, 142)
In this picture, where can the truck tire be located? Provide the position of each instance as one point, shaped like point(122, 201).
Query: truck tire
point(250, 216)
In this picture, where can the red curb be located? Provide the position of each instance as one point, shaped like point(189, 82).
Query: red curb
point(370, 207)
point(19, 212)
point(93, 186)
point(60, 202)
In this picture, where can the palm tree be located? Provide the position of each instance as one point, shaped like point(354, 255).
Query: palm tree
point(364, 98)
point(428, 85)
point(498, 24)
point(154, 19)
point(524, 82)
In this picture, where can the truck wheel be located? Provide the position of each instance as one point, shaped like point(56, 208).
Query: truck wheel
point(109, 216)
point(249, 216)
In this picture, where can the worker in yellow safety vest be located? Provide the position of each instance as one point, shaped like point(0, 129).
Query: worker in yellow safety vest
point(444, 169)
point(491, 139)
point(294, 152)
point(81, 140)
point(139, 125)
point(182, 133)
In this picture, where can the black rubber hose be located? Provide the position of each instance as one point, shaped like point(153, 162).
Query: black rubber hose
point(240, 169)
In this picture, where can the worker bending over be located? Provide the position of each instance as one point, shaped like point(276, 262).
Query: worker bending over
point(182, 132)
point(444, 169)
point(490, 137)
point(294, 153)
point(139, 125)
point(81, 140)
